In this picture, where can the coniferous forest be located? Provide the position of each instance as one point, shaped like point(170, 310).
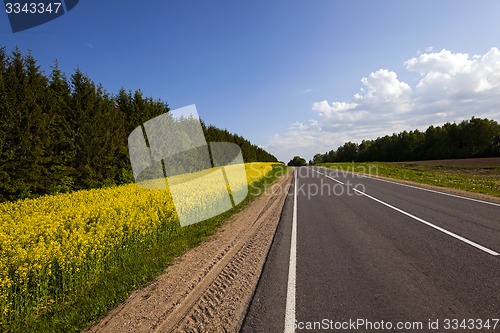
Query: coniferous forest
point(60, 134)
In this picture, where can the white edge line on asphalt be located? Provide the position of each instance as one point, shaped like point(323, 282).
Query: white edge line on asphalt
point(292, 269)
point(426, 189)
point(449, 233)
point(335, 180)
point(465, 240)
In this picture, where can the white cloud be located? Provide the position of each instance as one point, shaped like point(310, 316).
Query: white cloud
point(338, 110)
point(456, 82)
point(452, 87)
point(382, 93)
point(470, 75)
point(383, 86)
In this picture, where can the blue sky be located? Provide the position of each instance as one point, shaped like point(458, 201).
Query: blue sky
point(296, 77)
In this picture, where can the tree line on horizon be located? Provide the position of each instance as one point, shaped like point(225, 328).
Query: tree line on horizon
point(468, 139)
point(61, 135)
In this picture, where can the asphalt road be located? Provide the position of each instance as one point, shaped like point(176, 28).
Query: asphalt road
point(356, 254)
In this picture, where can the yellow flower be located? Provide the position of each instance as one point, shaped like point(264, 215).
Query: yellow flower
point(71, 235)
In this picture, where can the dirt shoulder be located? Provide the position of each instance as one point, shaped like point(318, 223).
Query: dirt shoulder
point(207, 289)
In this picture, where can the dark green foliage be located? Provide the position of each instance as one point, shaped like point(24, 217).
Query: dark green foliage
point(469, 139)
point(297, 161)
point(60, 135)
point(251, 152)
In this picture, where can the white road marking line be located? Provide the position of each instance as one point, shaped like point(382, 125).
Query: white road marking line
point(465, 240)
point(449, 233)
point(338, 181)
point(292, 269)
point(434, 191)
point(426, 189)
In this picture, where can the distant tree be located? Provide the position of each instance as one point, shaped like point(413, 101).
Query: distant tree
point(297, 161)
point(26, 125)
point(471, 138)
point(58, 144)
point(250, 152)
point(331, 156)
point(318, 158)
point(348, 152)
point(479, 136)
point(365, 150)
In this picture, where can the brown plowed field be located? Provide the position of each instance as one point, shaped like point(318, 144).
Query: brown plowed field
point(468, 162)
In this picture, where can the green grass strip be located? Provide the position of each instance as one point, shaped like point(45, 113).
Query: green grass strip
point(485, 180)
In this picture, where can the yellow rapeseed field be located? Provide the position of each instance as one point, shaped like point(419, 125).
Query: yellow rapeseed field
point(53, 244)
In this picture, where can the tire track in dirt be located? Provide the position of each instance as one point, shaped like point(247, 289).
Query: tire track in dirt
point(207, 289)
